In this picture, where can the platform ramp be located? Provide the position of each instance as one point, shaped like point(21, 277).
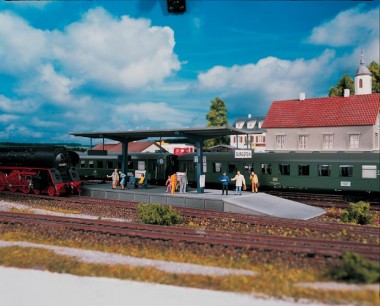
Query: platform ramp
point(267, 205)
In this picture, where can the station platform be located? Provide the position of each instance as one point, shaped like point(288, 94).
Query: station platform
point(211, 199)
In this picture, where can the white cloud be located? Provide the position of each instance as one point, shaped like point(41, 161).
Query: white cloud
point(348, 28)
point(149, 113)
point(55, 88)
point(7, 118)
point(271, 77)
point(22, 47)
point(24, 106)
point(124, 53)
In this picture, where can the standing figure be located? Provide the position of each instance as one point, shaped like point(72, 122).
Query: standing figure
point(122, 179)
point(115, 178)
point(255, 181)
point(224, 179)
point(168, 184)
point(173, 178)
point(183, 183)
point(240, 181)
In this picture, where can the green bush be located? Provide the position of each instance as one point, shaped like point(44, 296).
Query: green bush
point(358, 213)
point(355, 269)
point(158, 214)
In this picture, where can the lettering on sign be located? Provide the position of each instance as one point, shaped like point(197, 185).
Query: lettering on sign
point(243, 153)
point(345, 184)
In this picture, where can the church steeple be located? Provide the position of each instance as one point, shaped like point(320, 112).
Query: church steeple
point(363, 78)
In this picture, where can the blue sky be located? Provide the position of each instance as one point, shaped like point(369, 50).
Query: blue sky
point(83, 66)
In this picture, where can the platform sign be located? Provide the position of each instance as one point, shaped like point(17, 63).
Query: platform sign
point(202, 181)
point(243, 153)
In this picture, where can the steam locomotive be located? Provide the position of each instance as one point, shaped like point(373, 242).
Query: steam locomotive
point(39, 169)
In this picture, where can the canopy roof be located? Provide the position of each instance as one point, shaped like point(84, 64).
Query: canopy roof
point(191, 134)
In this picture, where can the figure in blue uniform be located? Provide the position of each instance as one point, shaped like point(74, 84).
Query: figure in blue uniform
point(224, 179)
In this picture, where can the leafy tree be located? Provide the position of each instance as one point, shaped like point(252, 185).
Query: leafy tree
point(344, 83)
point(375, 70)
point(217, 116)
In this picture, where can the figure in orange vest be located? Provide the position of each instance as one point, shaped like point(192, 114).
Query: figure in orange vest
point(174, 182)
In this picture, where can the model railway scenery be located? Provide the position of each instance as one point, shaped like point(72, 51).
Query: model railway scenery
point(189, 153)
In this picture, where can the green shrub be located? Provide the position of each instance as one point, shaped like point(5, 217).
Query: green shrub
point(158, 214)
point(355, 269)
point(358, 213)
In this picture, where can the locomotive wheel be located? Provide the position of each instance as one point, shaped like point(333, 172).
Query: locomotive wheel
point(3, 181)
point(26, 189)
point(51, 191)
point(14, 180)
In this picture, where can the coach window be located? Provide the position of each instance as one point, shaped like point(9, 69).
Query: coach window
point(304, 170)
point(266, 169)
point(100, 164)
point(232, 168)
point(110, 165)
point(346, 170)
point(217, 167)
point(141, 165)
point(91, 164)
point(82, 164)
point(284, 169)
point(324, 170)
point(369, 171)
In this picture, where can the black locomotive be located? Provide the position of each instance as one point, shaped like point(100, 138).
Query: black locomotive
point(42, 169)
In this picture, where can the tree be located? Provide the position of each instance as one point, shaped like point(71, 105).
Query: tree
point(344, 83)
point(217, 116)
point(375, 70)
point(347, 82)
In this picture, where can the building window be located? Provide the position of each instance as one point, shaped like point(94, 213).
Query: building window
point(303, 142)
point(346, 170)
point(360, 83)
point(353, 141)
point(304, 170)
point(266, 169)
point(251, 124)
point(280, 141)
point(260, 139)
point(284, 169)
point(328, 141)
point(324, 170)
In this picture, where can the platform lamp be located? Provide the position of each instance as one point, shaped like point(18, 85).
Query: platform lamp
point(176, 6)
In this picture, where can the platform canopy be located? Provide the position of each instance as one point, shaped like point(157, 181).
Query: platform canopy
point(191, 134)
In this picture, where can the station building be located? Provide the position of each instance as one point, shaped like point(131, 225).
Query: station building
point(350, 123)
point(255, 137)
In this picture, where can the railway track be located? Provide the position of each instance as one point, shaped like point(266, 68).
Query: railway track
point(251, 220)
point(308, 246)
point(321, 200)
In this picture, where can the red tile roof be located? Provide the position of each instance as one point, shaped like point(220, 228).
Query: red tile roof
point(322, 112)
point(132, 146)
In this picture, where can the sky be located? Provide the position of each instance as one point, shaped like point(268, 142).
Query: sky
point(90, 66)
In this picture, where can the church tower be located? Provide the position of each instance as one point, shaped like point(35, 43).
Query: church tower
point(363, 79)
